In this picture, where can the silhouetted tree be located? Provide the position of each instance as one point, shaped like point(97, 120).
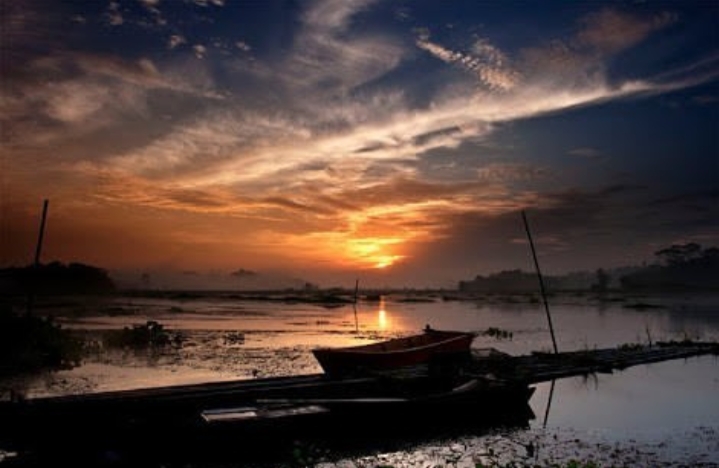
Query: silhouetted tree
point(679, 253)
point(602, 283)
point(686, 266)
point(56, 279)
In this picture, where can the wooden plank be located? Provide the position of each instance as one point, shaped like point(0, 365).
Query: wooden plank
point(227, 415)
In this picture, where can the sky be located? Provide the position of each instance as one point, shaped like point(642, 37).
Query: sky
point(396, 142)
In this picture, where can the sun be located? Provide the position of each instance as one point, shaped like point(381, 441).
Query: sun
point(385, 261)
point(375, 252)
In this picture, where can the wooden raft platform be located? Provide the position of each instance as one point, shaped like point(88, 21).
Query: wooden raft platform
point(542, 367)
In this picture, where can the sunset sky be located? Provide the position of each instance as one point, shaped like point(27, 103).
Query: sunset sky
point(392, 141)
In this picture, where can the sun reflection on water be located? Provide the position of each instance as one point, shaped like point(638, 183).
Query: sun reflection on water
point(383, 320)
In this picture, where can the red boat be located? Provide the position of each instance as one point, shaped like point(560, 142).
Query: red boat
point(432, 346)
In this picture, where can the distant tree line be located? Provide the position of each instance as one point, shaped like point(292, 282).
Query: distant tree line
point(55, 279)
point(678, 267)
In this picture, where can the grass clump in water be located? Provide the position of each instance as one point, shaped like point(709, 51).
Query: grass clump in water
point(29, 343)
point(498, 333)
point(149, 335)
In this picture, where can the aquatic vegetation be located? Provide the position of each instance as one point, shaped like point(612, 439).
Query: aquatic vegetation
point(234, 338)
point(498, 333)
point(630, 346)
point(29, 343)
point(149, 335)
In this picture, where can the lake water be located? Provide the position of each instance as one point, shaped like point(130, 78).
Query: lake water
point(664, 414)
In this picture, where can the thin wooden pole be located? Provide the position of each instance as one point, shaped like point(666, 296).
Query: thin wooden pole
point(41, 234)
point(541, 282)
point(36, 264)
point(355, 305)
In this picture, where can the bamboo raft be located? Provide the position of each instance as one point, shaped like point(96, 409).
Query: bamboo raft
point(543, 367)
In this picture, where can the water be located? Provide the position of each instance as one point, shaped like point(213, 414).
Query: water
point(664, 414)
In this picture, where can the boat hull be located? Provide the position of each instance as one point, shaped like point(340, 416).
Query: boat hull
point(431, 348)
point(253, 419)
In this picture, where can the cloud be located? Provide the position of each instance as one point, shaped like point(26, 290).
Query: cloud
point(206, 3)
point(585, 152)
point(175, 41)
point(705, 100)
point(329, 57)
point(573, 228)
point(141, 72)
point(508, 172)
point(200, 50)
point(321, 137)
point(218, 149)
point(69, 95)
point(609, 30)
point(332, 15)
point(77, 101)
point(487, 62)
point(114, 15)
point(243, 46)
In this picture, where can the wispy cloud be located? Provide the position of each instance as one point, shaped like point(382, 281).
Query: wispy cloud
point(487, 62)
point(328, 57)
point(249, 150)
point(610, 30)
point(585, 152)
point(114, 15)
point(200, 50)
point(508, 172)
point(176, 40)
point(87, 92)
point(381, 126)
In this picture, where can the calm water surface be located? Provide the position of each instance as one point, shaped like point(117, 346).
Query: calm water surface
point(664, 414)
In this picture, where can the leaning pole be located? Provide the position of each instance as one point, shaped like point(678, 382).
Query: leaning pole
point(36, 264)
point(541, 282)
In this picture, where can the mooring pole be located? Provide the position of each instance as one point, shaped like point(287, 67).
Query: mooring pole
point(41, 234)
point(541, 282)
point(36, 263)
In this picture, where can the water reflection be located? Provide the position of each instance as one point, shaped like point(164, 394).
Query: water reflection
point(383, 322)
point(549, 403)
point(646, 401)
point(279, 335)
point(381, 316)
